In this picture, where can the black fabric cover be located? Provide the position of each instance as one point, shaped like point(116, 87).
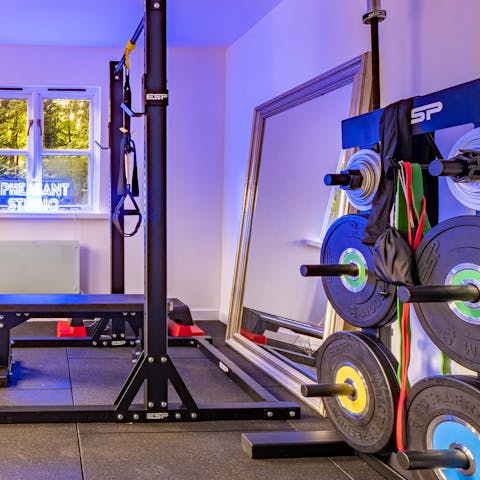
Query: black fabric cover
point(393, 259)
point(396, 145)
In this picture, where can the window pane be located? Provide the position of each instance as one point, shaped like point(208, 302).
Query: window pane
point(66, 124)
point(13, 124)
point(65, 179)
point(13, 184)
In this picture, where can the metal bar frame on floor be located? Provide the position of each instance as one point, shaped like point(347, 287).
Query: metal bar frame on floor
point(154, 368)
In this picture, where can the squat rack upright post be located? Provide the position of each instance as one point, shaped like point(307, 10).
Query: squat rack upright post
point(155, 329)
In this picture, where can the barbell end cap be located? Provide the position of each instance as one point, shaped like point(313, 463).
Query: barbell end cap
point(455, 167)
point(403, 460)
point(304, 390)
point(403, 294)
point(328, 180)
point(435, 168)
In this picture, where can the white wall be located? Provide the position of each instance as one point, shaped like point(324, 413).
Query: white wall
point(196, 82)
point(425, 46)
point(195, 167)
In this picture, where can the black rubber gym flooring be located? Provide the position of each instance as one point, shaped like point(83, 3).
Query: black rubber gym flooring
point(200, 451)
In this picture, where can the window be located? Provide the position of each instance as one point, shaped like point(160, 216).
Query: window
point(47, 149)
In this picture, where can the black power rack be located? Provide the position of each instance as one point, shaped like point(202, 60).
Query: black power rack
point(154, 368)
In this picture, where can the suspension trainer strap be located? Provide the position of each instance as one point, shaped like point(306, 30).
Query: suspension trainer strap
point(127, 186)
point(124, 189)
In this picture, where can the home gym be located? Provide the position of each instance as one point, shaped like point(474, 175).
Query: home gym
point(241, 235)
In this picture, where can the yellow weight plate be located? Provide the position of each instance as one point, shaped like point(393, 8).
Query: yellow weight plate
point(357, 404)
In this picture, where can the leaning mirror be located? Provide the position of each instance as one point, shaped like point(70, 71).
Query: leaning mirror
point(277, 318)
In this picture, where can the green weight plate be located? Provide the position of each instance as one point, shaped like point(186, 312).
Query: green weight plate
point(367, 420)
point(362, 300)
point(450, 255)
point(443, 412)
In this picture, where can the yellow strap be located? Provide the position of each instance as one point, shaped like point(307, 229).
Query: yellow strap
point(128, 50)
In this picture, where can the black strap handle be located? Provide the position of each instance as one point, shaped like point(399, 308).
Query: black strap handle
point(127, 187)
point(120, 211)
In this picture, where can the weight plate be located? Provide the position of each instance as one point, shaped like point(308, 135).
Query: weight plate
point(442, 413)
point(361, 300)
point(369, 163)
point(355, 404)
point(467, 193)
point(365, 420)
point(450, 255)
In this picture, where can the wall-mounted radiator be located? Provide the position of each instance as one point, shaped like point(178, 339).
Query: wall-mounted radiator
point(41, 266)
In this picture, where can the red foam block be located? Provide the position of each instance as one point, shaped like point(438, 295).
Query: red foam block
point(254, 337)
point(177, 330)
point(65, 330)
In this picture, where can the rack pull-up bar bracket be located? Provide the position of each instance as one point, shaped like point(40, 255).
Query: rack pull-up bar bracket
point(130, 112)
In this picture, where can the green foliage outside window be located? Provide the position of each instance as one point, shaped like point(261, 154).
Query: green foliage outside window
point(66, 124)
point(13, 124)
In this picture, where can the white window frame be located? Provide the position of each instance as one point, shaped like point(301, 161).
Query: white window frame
point(35, 151)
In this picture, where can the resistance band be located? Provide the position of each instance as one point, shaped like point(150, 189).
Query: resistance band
point(413, 221)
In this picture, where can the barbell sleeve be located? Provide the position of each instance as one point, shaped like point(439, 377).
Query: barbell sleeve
point(333, 270)
point(431, 459)
point(328, 390)
point(347, 178)
point(439, 293)
point(448, 168)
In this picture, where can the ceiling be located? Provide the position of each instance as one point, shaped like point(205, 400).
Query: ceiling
point(110, 23)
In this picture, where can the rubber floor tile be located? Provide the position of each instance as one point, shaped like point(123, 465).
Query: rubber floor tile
point(98, 381)
point(39, 368)
point(356, 469)
point(207, 383)
point(39, 452)
point(249, 368)
point(100, 353)
point(35, 328)
point(185, 352)
point(214, 328)
point(17, 397)
point(199, 456)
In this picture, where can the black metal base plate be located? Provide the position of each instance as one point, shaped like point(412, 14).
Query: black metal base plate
point(136, 414)
point(294, 444)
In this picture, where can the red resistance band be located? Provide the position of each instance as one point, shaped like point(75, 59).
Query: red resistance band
point(413, 241)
